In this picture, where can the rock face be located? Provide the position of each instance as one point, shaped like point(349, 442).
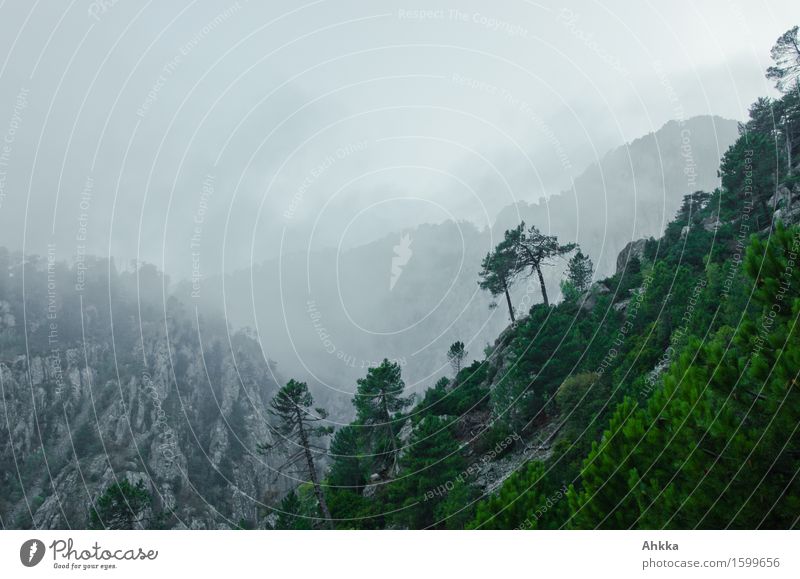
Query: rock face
point(589, 300)
point(787, 205)
point(782, 198)
point(634, 249)
point(189, 436)
point(172, 402)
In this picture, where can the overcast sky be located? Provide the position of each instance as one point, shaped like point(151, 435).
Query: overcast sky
point(237, 130)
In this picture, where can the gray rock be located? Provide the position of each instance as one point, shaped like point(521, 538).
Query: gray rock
point(179, 440)
point(589, 300)
point(369, 491)
point(781, 198)
point(621, 305)
point(631, 250)
point(711, 223)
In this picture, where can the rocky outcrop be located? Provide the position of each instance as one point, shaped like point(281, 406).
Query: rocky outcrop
point(633, 249)
point(787, 205)
point(711, 223)
point(190, 436)
point(589, 300)
point(162, 396)
point(782, 198)
point(493, 472)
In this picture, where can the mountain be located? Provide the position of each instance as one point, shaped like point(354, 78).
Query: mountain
point(663, 396)
point(327, 316)
point(582, 414)
point(143, 390)
point(634, 191)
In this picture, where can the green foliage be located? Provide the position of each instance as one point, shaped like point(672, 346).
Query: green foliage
point(786, 55)
point(121, 506)
point(468, 393)
point(431, 469)
point(499, 269)
point(346, 469)
point(378, 399)
point(579, 272)
point(569, 291)
point(527, 500)
point(296, 429)
point(717, 445)
point(572, 395)
point(544, 350)
point(347, 479)
point(352, 510)
point(456, 355)
point(749, 171)
point(671, 401)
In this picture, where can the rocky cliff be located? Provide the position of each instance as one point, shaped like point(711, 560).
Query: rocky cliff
point(153, 393)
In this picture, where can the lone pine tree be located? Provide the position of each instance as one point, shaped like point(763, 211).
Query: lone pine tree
point(499, 270)
point(456, 355)
point(536, 250)
point(296, 428)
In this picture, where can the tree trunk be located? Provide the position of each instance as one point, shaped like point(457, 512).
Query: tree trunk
point(544, 289)
point(508, 301)
point(788, 148)
point(391, 433)
point(312, 472)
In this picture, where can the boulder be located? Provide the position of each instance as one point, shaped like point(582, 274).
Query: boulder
point(781, 198)
point(589, 300)
point(631, 250)
point(711, 223)
point(622, 305)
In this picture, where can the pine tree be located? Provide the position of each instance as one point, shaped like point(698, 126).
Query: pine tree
point(519, 251)
point(456, 355)
point(603, 500)
point(527, 500)
point(580, 270)
point(121, 506)
point(717, 445)
point(295, 428)
point(346, 469)
point(347, 479)
point(499, 269)
point(535, 250)
point(432, 468)
point(378, 398)
point(786, 54)
point(291, 515)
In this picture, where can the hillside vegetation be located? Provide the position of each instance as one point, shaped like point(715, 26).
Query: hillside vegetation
point(664, 396)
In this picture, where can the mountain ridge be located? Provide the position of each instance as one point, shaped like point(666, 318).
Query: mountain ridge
point(351, 289)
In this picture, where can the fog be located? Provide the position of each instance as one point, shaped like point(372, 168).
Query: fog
point(405, 117)
point(212, 138)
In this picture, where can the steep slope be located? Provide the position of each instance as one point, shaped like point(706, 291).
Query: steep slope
point(634, 191)
point(141, 391)
point(664, 396)
point(327, 316)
